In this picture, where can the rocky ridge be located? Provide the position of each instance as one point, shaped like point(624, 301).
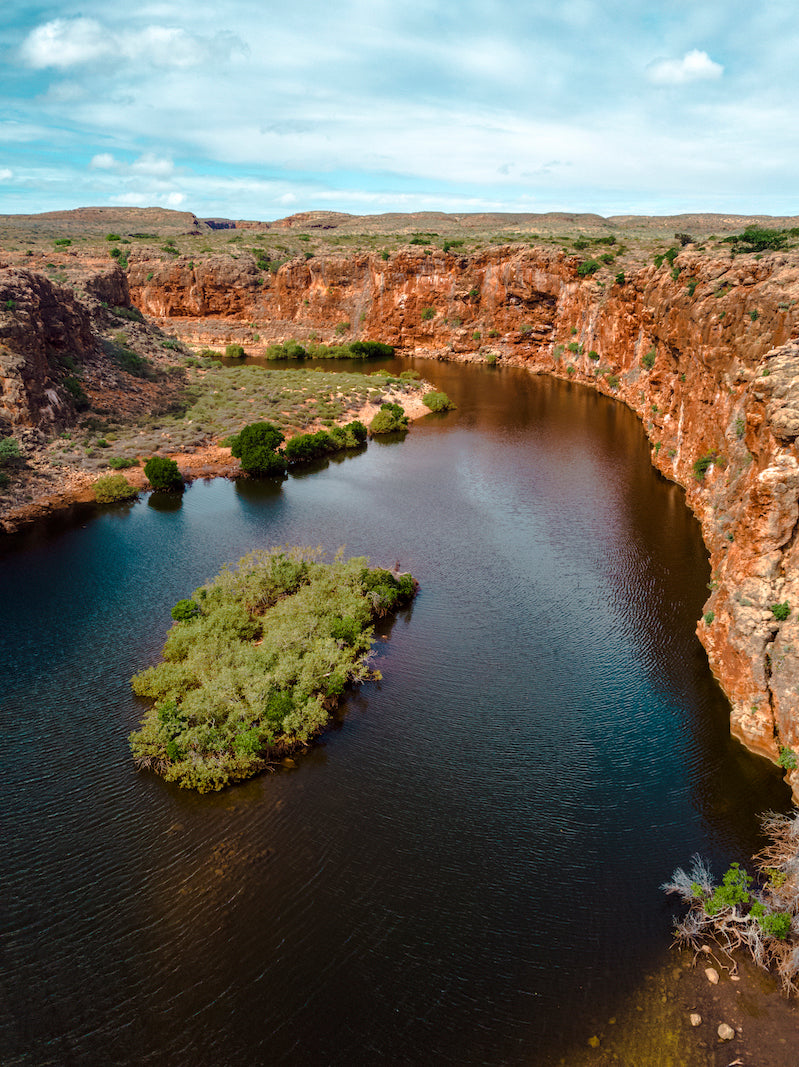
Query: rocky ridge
point(704, 349)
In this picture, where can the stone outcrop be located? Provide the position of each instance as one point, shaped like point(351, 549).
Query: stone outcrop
point(43, 331)
point(704, 349)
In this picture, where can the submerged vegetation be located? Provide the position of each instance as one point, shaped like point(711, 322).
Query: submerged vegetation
point(256, 661)
point(759, 914)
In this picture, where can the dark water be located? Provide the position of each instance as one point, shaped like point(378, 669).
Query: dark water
point(466, 870)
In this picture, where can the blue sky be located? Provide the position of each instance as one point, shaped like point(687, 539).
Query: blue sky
point(259, 109)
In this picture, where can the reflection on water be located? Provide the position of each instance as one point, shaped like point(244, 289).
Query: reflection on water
point(466, 869)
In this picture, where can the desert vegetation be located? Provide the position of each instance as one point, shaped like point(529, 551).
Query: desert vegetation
point(256, 661)
point(759, 914)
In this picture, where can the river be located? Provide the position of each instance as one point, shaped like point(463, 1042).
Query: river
point(465, 869)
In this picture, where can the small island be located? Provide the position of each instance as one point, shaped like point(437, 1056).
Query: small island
point(256, 662)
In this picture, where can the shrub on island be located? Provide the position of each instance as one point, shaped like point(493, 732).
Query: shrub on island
point(256, 662)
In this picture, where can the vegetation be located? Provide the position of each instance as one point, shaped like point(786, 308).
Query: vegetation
point(437, 401)
point(9, 450)
point(307, 447)
point(163, 473)
point(703, 464)
point(234, 352)
point(113, 488)
point(788, 759)
point(781, 611)
point(256, 446)
point(428, 314)
point(648, 359)
point(292, 349)
point(588, 267)
point(389, 419)
point(760, 239)
point(256, 661)
point(759, 914)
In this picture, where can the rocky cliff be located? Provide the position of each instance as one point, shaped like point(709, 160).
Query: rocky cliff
point(703, 348)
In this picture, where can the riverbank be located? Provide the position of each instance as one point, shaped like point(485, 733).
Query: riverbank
point(49, 486)
point(673, 1019)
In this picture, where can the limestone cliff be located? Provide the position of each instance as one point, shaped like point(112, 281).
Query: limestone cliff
point(704, 349)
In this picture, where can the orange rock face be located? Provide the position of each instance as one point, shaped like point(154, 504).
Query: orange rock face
point(705, 351)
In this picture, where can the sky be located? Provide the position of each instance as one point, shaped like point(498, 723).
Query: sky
point(257, 110)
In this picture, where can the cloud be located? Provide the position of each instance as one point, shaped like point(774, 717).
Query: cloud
point(103, 161)
point(65, 43)
point(5, 174)
point(694, 66)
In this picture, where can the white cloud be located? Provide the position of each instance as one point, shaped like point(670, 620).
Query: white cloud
point(153, 165)
point(103, 161)
point(694, 66)
point(65, 43)
point(5, 174)
point(173, 199)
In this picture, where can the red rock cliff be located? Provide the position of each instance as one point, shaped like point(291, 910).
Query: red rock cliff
point(705, 352)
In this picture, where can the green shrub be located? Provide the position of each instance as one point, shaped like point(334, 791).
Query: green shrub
point(788, 759)
point(389, 419)
point(758, 239)
point(410, 376)
point(428, 314)
point(163, 473)
point(754, 315)
point(76, 391)
point(256, 446)
point(342, 327)
point(119, 463)
point(437, 401)
point(671, 255)
point(234, 352)
point(9, 450)
point(648, 359)
point(113, 488)
point(702, 465)
point(588, 267)
point(692, 284)
point(307, 447)
point(612, 380)
point(709, 616)
point(781, 611)
point(185, 609)
point(62, 242)
point(11, 305)
point(620, 278)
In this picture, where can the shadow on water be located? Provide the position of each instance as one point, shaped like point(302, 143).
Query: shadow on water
point(160, 500)
point(466, 869)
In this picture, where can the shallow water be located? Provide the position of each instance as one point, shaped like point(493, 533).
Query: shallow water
point(466, 869)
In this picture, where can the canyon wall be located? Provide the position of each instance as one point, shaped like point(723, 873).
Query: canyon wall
point(704, 349)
